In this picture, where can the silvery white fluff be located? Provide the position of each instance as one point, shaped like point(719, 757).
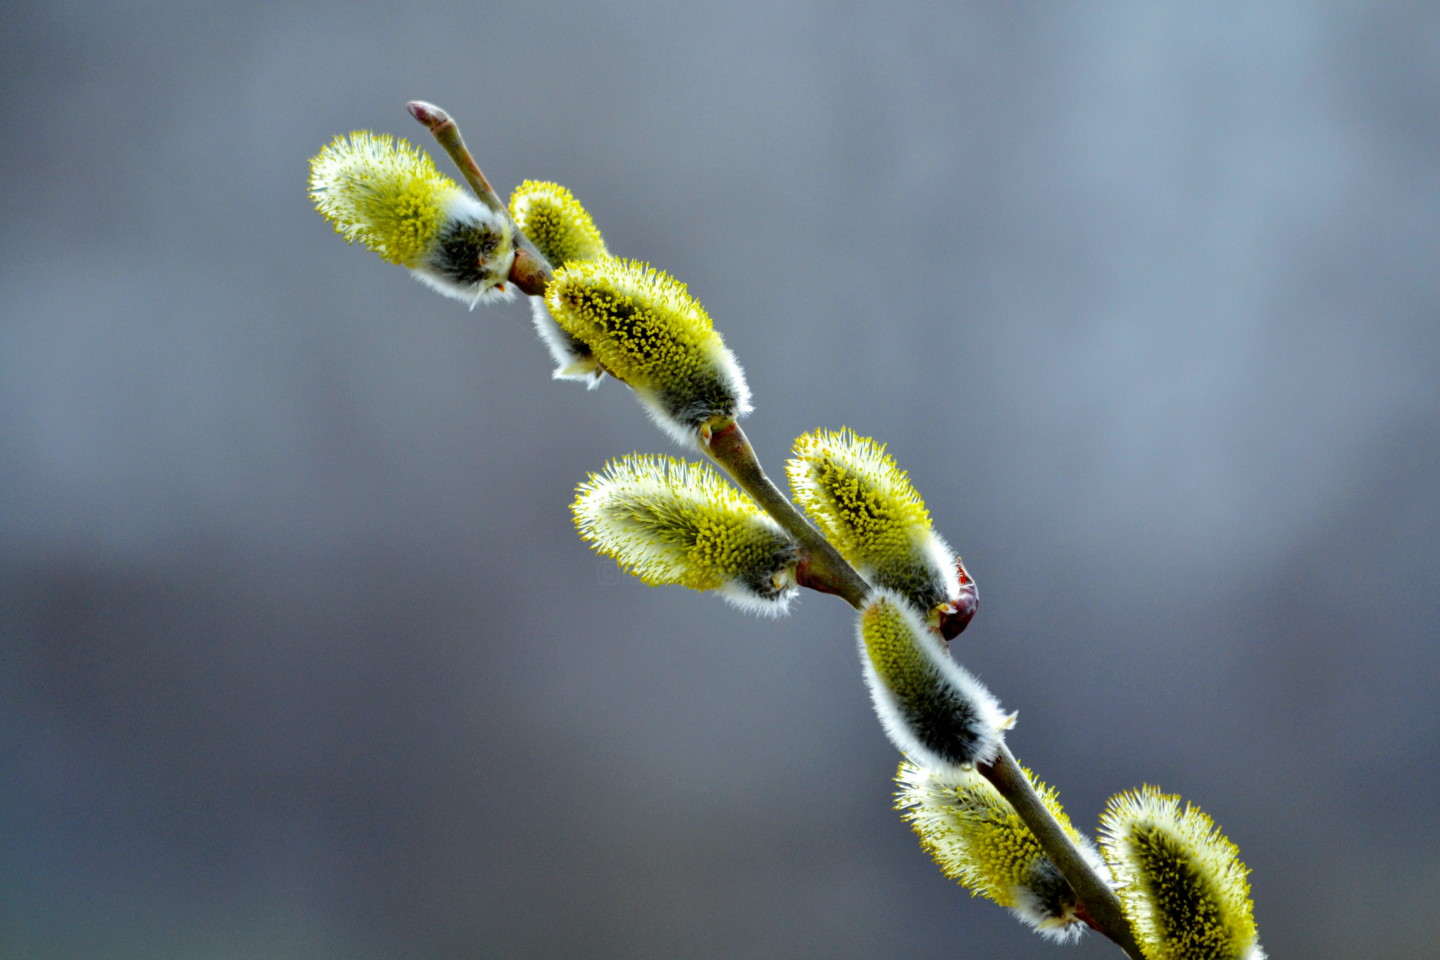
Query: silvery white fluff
point(950, 724)
point(573, 360)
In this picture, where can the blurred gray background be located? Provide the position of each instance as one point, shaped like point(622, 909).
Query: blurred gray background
point(302, 658)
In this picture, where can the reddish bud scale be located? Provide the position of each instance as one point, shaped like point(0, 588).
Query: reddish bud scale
point(956, 615)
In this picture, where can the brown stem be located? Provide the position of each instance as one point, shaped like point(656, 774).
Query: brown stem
point(1098, 901)
point(529, 271)
point(824, 569)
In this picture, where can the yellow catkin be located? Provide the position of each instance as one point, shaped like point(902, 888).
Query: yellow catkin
point(672, 522)
point(645, 329)
point(865, 505)
point(978, 840)
point(855, 489)
point(385, 193)
point(556, 223)
point(892, 649)
point(641, 323)
point(1181, 882)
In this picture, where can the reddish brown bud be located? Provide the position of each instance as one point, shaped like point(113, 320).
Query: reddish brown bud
point(956, 615)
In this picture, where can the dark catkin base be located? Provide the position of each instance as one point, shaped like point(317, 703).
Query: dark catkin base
point(464, 250)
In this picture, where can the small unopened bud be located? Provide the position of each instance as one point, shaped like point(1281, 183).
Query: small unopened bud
point(670, 521)
point(561, 229)
point(932, 708)
point(1180, 881)
point(955, 614)
point(978, 840)
point(387, 194)
point(647, 331)
point(865, 505)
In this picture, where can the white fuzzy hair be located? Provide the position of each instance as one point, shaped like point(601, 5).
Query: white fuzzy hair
point(983, 732)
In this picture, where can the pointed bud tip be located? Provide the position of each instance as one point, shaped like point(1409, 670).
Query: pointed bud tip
point(427, 113)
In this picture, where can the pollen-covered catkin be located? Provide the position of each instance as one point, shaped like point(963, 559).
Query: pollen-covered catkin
point(672, 522)
point(865, 505)
point(562, 230)
point(1180, 881)
point(978, 839)
point(556, 223)
point(647, 331)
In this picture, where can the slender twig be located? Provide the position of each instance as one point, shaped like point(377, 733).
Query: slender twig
point(447, 132)
point(823, 569)
point(1099, 901)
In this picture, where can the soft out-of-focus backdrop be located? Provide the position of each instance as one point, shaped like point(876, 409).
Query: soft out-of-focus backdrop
point(301, 657)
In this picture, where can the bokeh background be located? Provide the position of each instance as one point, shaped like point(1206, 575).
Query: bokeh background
point(302, 658)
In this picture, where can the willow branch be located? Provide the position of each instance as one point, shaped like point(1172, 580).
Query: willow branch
point(447, 132)
point(822, 569)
